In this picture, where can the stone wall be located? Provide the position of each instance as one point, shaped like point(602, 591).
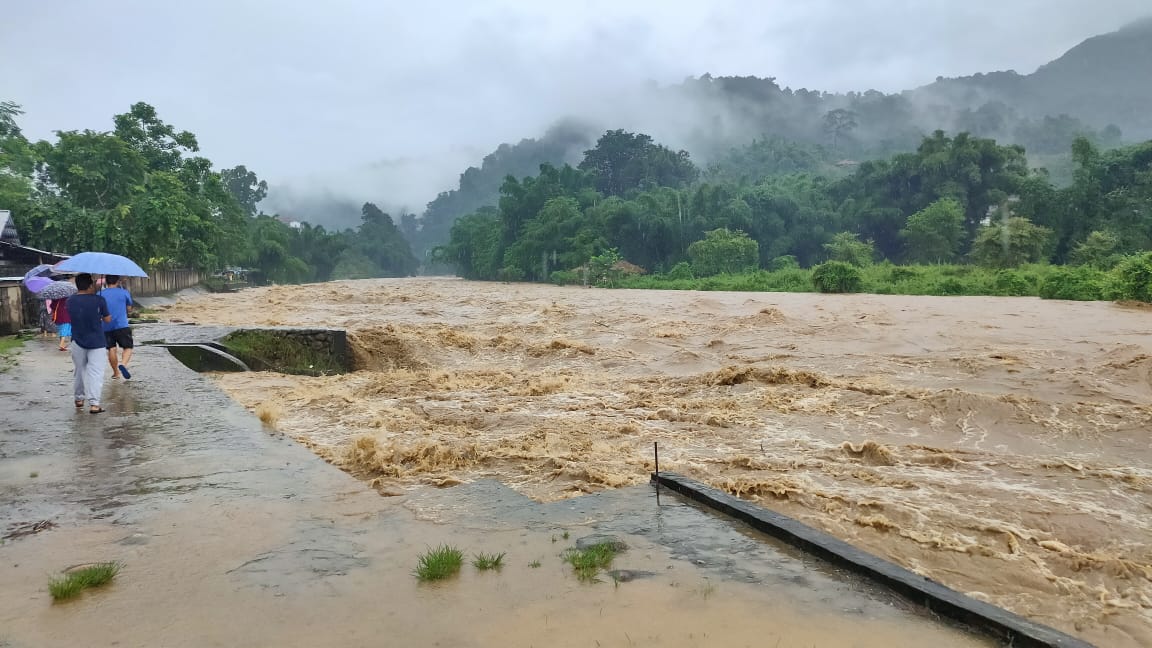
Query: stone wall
point(290, 350)
point(333, 342)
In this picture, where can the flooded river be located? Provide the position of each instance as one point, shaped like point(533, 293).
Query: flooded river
point(998, 445)
point(231, 536)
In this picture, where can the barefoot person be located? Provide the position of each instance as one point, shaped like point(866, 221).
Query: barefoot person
point(63, 322)
point(117, 333)
point(89, 313)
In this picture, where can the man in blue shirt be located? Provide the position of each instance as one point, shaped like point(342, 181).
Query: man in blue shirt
point(117, 332)
point(89, 314)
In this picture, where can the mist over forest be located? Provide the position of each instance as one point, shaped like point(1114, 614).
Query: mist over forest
point(613, 166)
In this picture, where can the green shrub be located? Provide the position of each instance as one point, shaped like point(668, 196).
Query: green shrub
point(1081, 283)
point(949, 286)
point(724, 251)
point(565, 277)
point(902, 273)
point(1014, 284)
point(682, 270)
point(786, 262)
point(1098, 250)
point(1132, 279)
point(790, 280)
point(837, 277)
point(510, 273)
point(1011, 243)
point(847, 247)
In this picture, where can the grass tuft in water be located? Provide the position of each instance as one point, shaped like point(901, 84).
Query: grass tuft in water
point(486, 561)
point(72, 583)
point(588, 562)
point(535, 564)
point(439, 563)
point(9, 346)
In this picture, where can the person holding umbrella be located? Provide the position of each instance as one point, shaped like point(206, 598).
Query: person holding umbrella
point(88, 312)
point(109, 265)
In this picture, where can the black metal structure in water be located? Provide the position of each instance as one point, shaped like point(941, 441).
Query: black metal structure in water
point(204, 357)
point(1014, 629)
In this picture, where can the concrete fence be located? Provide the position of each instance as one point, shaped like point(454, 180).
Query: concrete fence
point(162, 282)
point(20, 310)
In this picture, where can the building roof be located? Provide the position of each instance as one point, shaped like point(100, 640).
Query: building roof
point(8, 231)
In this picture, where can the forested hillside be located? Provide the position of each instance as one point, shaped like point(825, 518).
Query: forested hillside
point(749, 128)
point(952, 200)
point(1106, 80)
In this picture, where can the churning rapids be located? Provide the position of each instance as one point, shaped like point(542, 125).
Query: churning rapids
point(998, 445)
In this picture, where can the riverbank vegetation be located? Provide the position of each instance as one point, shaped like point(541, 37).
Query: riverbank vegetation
point(958, 216)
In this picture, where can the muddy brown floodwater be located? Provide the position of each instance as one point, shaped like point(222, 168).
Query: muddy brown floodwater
point(998, 445)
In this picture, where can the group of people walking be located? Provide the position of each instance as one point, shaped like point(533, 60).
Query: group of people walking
point(97, 323)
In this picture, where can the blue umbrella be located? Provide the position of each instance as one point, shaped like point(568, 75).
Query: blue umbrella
point(101, 263)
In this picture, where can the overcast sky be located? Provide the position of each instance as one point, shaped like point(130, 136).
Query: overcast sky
point(293, 88)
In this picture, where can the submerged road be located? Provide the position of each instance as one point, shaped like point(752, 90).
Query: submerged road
point(232, 534)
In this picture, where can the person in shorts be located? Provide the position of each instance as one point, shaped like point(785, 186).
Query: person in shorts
point(117, 333)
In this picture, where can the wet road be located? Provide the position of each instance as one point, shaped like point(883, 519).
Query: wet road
point(231, 534)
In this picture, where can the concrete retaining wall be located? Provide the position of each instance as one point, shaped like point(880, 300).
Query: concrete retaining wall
point(998, 622)
point(302, 350)
point(331, 342)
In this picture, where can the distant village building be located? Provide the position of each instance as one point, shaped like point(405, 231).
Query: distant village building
point(290, 222)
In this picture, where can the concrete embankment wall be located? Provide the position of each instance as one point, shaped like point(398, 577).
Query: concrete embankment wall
point(329, 345)
point(304, 351)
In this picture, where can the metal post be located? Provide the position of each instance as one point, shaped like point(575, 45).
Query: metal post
point(656, 452)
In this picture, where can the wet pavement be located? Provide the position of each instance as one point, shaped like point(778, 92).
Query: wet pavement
point(231, 534)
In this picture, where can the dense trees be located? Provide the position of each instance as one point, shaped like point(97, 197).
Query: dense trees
point(141, 190)
point(952, 199)
point(934, 234)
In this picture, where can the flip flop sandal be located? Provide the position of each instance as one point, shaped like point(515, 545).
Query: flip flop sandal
point(124, 372)
point(96, 411)
point(79, 403)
